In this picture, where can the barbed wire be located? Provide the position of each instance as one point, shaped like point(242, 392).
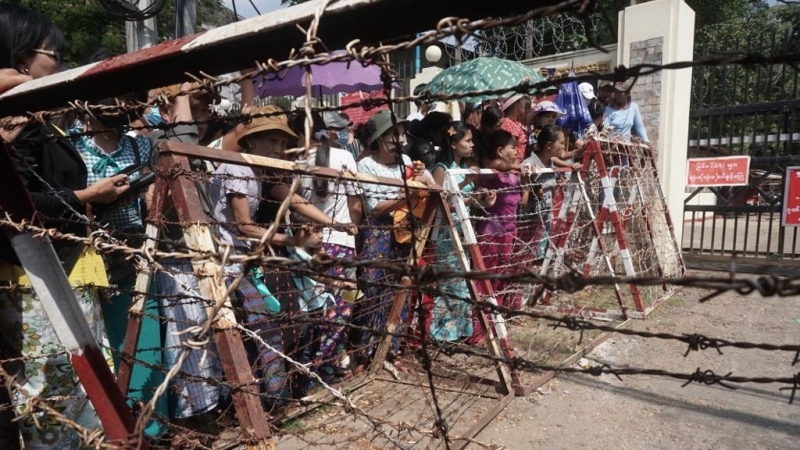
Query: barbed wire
point(424, 280)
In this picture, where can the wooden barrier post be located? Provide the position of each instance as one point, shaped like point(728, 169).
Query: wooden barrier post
point(230, 348)
point(401, 296)
point(495, 329)
point(142, 288)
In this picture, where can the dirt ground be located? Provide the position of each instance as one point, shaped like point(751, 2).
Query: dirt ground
point(585, 412)
point(642, 412)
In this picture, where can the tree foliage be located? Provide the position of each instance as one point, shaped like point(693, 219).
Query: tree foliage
point(88, 29)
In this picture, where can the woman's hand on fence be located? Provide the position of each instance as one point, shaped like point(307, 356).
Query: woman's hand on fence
point(348, 228)
point(15, 126)
point(486, 198)
point(346, 285)
point(577, 166)
point(561, 181)
point(527, 170)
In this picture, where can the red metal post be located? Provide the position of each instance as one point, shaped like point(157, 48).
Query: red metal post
point(52, 287)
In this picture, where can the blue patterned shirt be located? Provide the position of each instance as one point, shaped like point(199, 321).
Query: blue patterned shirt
point(100, 164)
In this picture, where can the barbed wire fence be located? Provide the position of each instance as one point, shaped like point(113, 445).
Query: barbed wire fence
point(386, 310)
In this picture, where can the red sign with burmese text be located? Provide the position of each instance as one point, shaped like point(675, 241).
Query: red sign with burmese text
point(360, 115)
point(791, 198)
point(724, 171)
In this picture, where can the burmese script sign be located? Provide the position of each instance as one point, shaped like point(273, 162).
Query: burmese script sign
point(724, 171)
point(791, 198)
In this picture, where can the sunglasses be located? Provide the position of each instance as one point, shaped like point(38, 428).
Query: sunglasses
point(55, 55)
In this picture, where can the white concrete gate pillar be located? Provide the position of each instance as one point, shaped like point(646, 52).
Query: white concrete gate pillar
point(662, 32)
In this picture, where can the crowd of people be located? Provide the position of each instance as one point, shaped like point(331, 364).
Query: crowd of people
point(79, 170)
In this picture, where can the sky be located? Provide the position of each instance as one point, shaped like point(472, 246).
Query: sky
point(244, 8)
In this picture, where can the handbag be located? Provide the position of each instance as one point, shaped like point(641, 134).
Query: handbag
point(401, 219)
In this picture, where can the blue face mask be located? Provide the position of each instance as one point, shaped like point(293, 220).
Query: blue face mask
point(342, 136)
point(153, 117)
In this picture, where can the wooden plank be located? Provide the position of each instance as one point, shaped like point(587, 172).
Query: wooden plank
point(314, 401)
point(462, 442)
point(252, 418)
point(142, 287)
point(494, 329)
point(237, 45)
point(392, 321)
point(245, 159)
point(401, 296)
point(547, 376)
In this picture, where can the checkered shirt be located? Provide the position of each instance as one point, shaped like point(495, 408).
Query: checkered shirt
point(100, 164)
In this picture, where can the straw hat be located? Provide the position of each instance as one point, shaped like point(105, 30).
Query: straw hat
point(267, 123)
point(172, 90)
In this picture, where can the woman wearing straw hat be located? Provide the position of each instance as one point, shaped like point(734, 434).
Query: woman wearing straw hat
point(245, 204)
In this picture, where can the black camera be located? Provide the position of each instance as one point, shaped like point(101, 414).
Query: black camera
point(137, 184)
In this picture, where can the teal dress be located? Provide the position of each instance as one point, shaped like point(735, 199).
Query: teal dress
point(452, 315)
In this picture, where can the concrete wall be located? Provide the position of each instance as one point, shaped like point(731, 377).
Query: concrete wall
point(662, 31)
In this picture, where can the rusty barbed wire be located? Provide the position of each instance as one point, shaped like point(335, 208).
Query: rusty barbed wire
point(570, 282)
point(764, 285)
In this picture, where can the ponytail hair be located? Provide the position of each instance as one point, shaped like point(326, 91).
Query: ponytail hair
point(495, 140)
point(547, 134)
point(323, 156)
point(453, 134)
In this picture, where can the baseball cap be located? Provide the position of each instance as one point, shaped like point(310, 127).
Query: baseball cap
point(335, 119)
point(587, 90)
point(380, 123)
point(269, 122)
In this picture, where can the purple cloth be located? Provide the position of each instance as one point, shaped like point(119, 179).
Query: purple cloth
point(331, 78)
point(501, 218)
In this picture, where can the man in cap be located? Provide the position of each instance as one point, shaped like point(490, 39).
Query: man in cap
point(340, 132)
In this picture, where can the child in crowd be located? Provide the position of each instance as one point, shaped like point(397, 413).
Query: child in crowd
point(497, 230)
point(316, 299)
point(551, 142)
point(544, 114)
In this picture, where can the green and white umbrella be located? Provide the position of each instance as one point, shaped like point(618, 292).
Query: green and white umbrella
point(481, 74)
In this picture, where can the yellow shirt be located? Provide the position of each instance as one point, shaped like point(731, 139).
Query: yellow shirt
point(89, 270)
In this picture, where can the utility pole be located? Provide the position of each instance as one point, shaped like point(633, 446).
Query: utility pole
point(185, 18)
point(141, 33)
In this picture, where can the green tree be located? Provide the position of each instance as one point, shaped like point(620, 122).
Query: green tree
point(88, 28)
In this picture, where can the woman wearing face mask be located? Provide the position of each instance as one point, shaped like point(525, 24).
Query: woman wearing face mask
point(55, 176)
point(340, 132)
point(381, 201)
point(106, 151)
